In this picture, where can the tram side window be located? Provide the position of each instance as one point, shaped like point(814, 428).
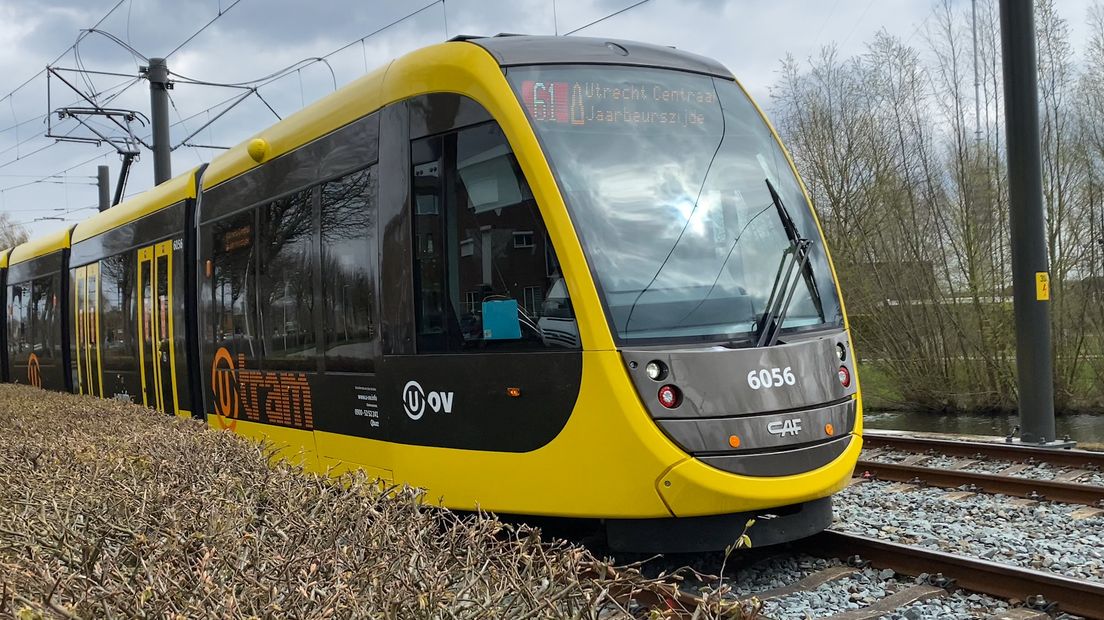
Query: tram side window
point(348, 271)
point(19, 296)
point(117, 314)
point(286, 281)
point(232, 284)
point(486, 275)
point(44, 319)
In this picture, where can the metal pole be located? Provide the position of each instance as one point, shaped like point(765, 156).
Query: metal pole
point(977, 81)
point(103, 179)
point(158, 76)
point(1030, 275)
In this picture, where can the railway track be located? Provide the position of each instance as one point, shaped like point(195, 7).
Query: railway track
point(1046, 591)
point(1077, 464)
point(1080, 459)
point(1032, 594)
point(1051, 490)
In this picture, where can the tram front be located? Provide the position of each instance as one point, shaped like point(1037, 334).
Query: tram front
point(711, 268)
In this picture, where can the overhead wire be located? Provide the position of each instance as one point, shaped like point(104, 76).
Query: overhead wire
point(204, 27)
point(61, 55)
point(602, 19)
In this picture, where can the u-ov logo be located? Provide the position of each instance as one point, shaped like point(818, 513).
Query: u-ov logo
point(416, 399)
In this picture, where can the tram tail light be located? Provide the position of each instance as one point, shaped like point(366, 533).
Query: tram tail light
point(844, 376)
point(670, 396)
point(513, 392)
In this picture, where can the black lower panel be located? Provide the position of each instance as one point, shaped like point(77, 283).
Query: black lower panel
point(46, 375)
point(506, 402)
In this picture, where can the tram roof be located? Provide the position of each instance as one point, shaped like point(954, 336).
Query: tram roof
point(513, 50)
point(40, 246)
point(164, 195)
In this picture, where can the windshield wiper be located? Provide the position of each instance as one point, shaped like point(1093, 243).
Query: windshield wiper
point(793, 266)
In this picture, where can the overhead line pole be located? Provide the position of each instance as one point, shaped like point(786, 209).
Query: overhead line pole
point(158, 75)
point(103, 180)
point(1030, 268)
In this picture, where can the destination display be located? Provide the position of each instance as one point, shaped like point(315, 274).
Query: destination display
point(592, 102)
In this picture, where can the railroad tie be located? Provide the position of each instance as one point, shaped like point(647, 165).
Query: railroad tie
point(914, 459)
point(962, 463)
point(811, 582)
point(1087, 512)
point(892, 602)
point(1014, 469)
point(1020, 613)
point(1072, 475)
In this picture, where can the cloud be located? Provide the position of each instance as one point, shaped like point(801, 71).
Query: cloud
point(256, 37)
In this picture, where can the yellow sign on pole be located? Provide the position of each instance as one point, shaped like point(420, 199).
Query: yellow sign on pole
point(1042, 286)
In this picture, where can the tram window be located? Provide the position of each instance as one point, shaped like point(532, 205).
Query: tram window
point(348, 271)
point(286, 281)
point(232, 283)
point(117, 314)
point(46, 340)
point(489, 282)
point(18, 322)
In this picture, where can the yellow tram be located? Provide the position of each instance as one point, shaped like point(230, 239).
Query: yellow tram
point(542, 276)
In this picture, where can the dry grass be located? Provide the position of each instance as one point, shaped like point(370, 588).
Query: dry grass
point(109, 510)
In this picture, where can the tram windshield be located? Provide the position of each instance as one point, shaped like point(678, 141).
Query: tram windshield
point(666, 174)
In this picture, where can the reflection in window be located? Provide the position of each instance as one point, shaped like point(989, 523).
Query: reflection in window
point(46, 338)
point(232, 283)
point(18, 318)
point(484, 266)
point(117, 311)
point(348, 277)
point(286, 280)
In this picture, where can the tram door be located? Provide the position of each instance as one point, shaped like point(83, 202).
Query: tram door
point(87, 304)
point(157, 354)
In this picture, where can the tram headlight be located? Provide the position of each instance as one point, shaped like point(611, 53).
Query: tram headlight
point(670, 396)
point(841, 351)
point(656, 370)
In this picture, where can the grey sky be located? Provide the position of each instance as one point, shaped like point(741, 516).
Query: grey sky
point(256, 37)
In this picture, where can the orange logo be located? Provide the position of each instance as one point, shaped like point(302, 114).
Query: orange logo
point(225, 387)
point(34, 371)
point(282, 398)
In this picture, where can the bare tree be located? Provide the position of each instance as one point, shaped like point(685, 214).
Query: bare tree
point(12, 233)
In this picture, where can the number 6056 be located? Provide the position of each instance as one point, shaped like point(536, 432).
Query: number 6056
point(770, 378)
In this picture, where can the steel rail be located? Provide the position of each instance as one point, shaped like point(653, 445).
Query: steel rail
point(1084, 598)
point(1052, 490)
point(1083, 459)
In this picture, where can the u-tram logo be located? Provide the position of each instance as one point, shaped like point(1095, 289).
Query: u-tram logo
point(34, 371)
point(269, 397)
point(225, 386)
point(416, 399)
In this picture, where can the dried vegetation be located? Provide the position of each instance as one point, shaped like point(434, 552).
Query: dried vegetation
point(109, 510)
